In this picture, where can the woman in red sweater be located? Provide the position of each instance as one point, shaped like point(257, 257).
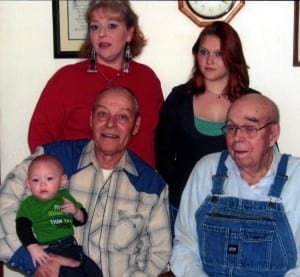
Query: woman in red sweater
point(113, 39)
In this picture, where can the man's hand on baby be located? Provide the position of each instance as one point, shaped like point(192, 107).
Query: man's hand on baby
point(37, 253)
point(53, 265)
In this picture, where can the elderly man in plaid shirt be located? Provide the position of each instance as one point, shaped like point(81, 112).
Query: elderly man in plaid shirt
point(127, 232)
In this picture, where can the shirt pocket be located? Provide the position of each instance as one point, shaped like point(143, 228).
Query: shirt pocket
point(127, 232)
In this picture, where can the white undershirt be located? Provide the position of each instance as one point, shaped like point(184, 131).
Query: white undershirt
point(106, 173)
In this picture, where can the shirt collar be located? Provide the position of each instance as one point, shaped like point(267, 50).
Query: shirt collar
point(88, 157)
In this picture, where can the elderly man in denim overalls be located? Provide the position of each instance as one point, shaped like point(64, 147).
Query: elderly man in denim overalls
point(240, 212)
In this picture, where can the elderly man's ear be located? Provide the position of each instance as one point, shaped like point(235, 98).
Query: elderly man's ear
point(137, 125)
point(274, 134)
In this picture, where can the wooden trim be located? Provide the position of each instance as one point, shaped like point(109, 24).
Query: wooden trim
point(296, 60)
point(1, 269)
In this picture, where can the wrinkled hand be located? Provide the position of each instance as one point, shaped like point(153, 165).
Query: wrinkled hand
point(68, 207)
point(37, 253)
point(52, 266)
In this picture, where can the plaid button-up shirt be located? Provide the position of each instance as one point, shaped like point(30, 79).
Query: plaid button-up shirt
point(127, 232)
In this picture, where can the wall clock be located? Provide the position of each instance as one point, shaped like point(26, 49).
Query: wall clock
point(205, 12)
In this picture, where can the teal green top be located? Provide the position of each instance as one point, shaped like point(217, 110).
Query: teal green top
point(208, 128)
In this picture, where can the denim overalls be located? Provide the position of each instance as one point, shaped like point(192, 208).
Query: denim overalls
point(240, 237)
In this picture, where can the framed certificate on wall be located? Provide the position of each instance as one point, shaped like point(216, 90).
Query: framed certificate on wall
point(69, 27)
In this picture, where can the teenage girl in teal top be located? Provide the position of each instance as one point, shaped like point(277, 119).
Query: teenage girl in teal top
point(194, 112)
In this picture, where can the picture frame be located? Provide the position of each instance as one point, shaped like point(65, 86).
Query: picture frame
point(296, 58)
point(69, 27)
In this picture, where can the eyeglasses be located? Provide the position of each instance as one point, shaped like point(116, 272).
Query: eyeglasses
point(205, 53)
point(248, 130)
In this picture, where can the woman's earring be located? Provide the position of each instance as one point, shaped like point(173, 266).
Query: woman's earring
point(92, 65)
point(127, 58)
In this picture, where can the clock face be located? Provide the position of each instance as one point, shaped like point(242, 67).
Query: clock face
point(210, 9)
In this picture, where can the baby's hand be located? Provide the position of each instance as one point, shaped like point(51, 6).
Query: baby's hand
point(68, 207)
point(37, 253)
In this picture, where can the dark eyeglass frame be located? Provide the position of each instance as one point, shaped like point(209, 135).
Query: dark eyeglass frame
point(249, 130)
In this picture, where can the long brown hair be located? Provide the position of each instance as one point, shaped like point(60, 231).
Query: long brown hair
point(123, 8)
point(233, 58)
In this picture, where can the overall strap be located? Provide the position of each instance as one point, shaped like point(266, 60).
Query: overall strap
point(219, 178)
point(280, 178)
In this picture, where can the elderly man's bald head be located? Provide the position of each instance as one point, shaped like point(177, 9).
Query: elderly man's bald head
point(124, 91)
point(260, 104)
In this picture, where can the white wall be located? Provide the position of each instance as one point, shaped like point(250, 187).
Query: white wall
point(26, 61)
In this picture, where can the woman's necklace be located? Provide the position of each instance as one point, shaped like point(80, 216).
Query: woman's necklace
point(218, 95)
point(109, 80)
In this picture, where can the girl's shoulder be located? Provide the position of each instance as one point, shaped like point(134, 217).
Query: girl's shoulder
point(250, 90)
point(180, 92)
